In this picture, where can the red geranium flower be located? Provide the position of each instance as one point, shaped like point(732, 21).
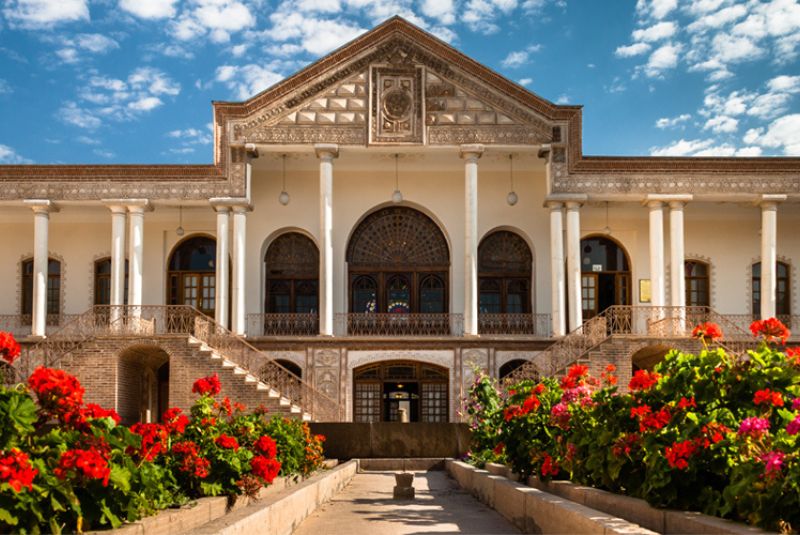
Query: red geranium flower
point(687, 403)
point(190, 460)
point(266, 469)
point(549, 466)
point(226, 441)
point(60, 394)
point(643, 380)
point(678, 454)
point(92, 410)
point(266, 446)
point(708, 331)
point(207, 386)
point(90, 464)
point(768, 397)
point(771, 330)
point(175, 421)
point(16, 470)
point(9, 348)
point(154, 440)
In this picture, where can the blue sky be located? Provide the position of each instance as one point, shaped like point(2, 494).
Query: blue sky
point(131, 81)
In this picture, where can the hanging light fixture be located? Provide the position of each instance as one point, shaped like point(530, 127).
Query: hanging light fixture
point(397, 195)
point(512, 197)
point(179, 231)
point(607, 228)
point(284, 198)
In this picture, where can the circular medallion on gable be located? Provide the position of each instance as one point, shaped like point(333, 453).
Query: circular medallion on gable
point(397, 104)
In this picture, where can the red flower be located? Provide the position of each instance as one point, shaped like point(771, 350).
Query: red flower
point(226, 441)
point(678, 454)
point(686, 403)
point(640, 411)
point(154, 440)
point(643, 380)
point(175, 421)
point(16, 470)
point(771, 330)
point(9, 348)
point(540, 389)
point(625, 444)
point(768, 397)
point(91, 464)
point(92, 410)
point(59, 393)
point(498, 450)
point(648, 420)
point(549, 466)
point(531, 404)
point(708, 331)
point(714, 432)
point(207, 386)
point(266, 447)
point(266, 469)
point(190, 460)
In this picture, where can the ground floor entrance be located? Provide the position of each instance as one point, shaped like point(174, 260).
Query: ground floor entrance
point(394, 391)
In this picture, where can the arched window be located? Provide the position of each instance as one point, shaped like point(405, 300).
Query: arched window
point(783, 294)
point(509, 367)
point(398, 262)
point(102, 282)
point(697, 283)
point(292, 267)
point(53, 298)
point(504, 274)
point(290, 366)
point(191, 276)
point(605, 275)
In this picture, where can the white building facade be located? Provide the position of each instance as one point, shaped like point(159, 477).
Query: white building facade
point(396, 215)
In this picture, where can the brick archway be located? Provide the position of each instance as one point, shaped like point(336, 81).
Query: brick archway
point(142, 383)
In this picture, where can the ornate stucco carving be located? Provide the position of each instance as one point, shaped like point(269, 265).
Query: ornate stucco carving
point(604, 183)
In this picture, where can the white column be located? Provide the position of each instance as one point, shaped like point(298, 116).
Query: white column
point(574, 264)
point(41, 220)
point(657, 280)
point(222, 274)
point(238, 323)
point(135, 255)
point(326, 153)
point(558, 284)
point(676, 259)
point(117, 261)
point(471, 154)
point(769, 257)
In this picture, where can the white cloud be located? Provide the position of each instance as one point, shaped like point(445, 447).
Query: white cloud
point(193, 136)
point(657, 9)
point(94, 43)
point(441, 10)
point(5, 87)
point(782, 133)
point(247, 80)
point(480, 15)
point(149, 9)
point(520, 57)
point(216, 19)
point(699, 147)
point(636, 49)
point(525, 81)
point(152, 80)
point(72, 114)
point(656, 32)
point(562, 99)
point(718, 19)
point(787, 84)
point(145, 104)
point(663, 58)
point(769, 105)
point(315, 35)
point(671, 122)
point(10, 156)
point(103, 153)
point(86, 140)
point(749, 151)
point(732, 49)
point(721, 124)
point(34, 14)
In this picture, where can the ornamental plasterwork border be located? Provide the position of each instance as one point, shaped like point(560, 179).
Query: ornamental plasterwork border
point(718, 183)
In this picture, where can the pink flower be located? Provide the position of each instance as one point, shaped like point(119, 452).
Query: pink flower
point(754, 426)
point(796, 404)
point(794, 426)
point(773, 462)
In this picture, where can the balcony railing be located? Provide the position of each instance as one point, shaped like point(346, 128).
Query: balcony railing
point(282, 324)
point(515, 324)
point(743, 321)
point(389, 324)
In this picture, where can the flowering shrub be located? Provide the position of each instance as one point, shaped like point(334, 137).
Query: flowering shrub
point(89, 472)
point(705, 431)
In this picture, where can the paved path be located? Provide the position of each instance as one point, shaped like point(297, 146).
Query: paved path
point(366, 507)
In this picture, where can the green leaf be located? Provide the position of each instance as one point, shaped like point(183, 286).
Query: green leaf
point(7, 518)
point(120, 477)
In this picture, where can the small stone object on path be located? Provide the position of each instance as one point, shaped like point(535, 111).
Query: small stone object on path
point(404, 488)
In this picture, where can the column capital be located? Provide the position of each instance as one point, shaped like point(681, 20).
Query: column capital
point(251, 150)
point(41, 206)
point(470, 152)
point(226, 204)
point(653, 204)
point(770, 202)
point(565, 198)
point(137, 206)
point(554, 205)
point(326, 151)
point(573, 206)
point(545, 151)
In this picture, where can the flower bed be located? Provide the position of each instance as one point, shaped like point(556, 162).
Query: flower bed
point(705, 431)
point(67, 466)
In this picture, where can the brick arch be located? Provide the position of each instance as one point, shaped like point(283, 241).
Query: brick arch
point(142, 382)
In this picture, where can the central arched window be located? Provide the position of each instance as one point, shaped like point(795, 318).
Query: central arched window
point(783, 294)
point(191, 276)
point(292, 274)
point(398, 262)
point(697, 283)
point(504, 274)
point(53, 298)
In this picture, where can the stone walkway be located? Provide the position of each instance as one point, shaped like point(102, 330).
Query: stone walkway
point(366, 507)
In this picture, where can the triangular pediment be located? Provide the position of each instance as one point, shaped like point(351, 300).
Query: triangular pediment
point(396, 87)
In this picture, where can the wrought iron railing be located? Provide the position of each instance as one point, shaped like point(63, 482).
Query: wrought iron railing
point(743, 321)
point(122, 321)
point(515, 324)
point(20, 324)
point(282, 324)
point(391, 324)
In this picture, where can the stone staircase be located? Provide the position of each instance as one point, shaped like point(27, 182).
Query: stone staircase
point(111, 350)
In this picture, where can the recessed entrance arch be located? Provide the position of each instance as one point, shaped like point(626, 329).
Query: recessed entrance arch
point(605, 275)
point(142, 383)
point(382, 389)
point(191, 274)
